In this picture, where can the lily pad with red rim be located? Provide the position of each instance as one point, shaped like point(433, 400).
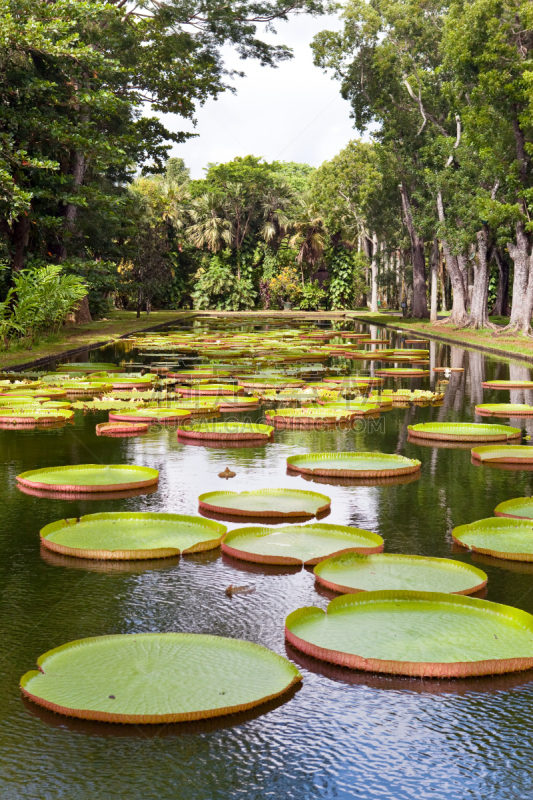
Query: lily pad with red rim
point(157, 677)
point(266, 503)
point(123, 536)
point(230, 431)
point(89, 478)
point(504, 409)
point(150, 415)
point(504, 454)
point(420, 634)
point(118, 428)
point(353, 465)
point(350, 573)
point(464, 431)
point(298, 544)
point(507, 384)
point(499, 537)
point(517, 508)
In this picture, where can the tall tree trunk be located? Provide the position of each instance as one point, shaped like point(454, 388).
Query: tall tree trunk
point(443, 279)
point(19, 239)
point(434, 276)
point(501, 306)
point(479, 313)
point(523, 280)
point(456, 269)
point(70, 212)
point(420, 305)
point(375, 248)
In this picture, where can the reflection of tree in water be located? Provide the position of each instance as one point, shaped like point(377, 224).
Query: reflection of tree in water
point(475, 376)
point(519, 372)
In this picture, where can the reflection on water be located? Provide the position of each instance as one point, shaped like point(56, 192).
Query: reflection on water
point(344, 734)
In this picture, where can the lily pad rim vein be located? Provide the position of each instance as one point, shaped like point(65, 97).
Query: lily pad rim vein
point(190, 716)
point(27, 478)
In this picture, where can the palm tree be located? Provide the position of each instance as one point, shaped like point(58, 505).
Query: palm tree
point(308, 234)
point(210, 227)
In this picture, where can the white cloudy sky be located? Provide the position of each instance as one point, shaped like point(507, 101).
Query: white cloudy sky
point(291, 113)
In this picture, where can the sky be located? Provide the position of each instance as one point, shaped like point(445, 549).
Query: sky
point(291, 113)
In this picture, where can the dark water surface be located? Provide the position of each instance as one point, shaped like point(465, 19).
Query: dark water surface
point(343, 734)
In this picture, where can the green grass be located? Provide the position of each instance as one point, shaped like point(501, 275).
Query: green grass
point(502, 344)
point(117, 324)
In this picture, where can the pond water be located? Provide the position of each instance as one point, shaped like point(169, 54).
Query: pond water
point(342, 734)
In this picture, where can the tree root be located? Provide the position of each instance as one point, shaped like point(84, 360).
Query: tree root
point(516, 329)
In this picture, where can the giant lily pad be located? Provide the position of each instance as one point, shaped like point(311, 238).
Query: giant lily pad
point(157, 677)
point(403, 372)
point(353, 465)
point(504, 454)
point(89, 478)
point(422, 634)
point(498, 536)
point(78, 366)
point(120, 428)
point(266, 503)
point(123, 536)
point(349, 573)
point(150, 415)
point(464, 431)
point(504, 409)
point(507, 384)
point(209, 389)
point(517, 508)
point(48, 393)
point(221, 431)
point(298, 544)
point(309, 416)
point(30, 416)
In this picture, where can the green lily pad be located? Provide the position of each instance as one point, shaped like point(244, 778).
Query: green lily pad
point(504, 409)
point(498, 536)
point(226, 430)
point(517, 508)
point(157, 677)
point(213, 389)
point(507, 384)
point(266, 503)
point(403, 372)
point(48, 393)
point(90, 477)
point(24, 415)
point(123, 535)
point(504, 454)
point(354, 465)
point(361, 408)
point(298, 544)
point(149, 414)
point(350, 573)
point(79, 366)
point(309, 415)
point(422, 634)
point(464, 431)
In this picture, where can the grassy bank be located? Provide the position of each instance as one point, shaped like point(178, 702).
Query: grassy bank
point(81, 337)
point(501, 344)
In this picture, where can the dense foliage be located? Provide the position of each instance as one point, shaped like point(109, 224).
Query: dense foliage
point(436, 205)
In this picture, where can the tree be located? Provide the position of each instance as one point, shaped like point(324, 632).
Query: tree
point(75, 81)
point(488, 47)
